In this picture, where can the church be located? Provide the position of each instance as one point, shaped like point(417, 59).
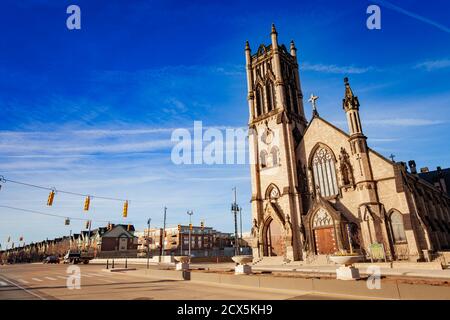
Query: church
point(319, 191)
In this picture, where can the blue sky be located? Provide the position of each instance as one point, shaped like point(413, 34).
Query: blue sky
point(92, 110)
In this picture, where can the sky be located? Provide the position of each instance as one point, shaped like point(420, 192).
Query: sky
point(92, 111)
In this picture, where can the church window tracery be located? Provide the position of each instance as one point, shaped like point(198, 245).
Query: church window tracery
point(322, 219)
point(324, 171)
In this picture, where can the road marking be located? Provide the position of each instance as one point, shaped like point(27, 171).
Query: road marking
point(49, 278)
point(97, 275)
point(86, 275)
point(27, 291)
point(36, 279)
point(62, 277)
point(106, 280)
point(3, 283)
point(23, 281)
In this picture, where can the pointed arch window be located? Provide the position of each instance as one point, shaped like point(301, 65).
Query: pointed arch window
point(274, 153)
point(259, 100)
point(263, 158)
point(324, 171)
point(270, 96)
point(397, 227)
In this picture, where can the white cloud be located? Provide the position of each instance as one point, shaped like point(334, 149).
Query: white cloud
point(431, 65)
point(403, 122)
point(331, 68)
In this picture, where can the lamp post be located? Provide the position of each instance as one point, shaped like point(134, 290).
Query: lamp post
point(235, 209)
point(190, 213)
point(148, 241)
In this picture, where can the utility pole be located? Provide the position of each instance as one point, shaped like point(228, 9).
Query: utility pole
point(163, 238)
point(235, 209)
point(190, 213)
point(148, 241)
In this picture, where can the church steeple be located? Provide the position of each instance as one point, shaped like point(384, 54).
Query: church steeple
point(273, 81)
point(351, 106)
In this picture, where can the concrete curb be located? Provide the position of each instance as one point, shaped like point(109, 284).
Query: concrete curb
point(350, 289)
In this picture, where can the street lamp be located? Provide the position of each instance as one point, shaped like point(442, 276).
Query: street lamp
point(148, 241)
point(190, 213)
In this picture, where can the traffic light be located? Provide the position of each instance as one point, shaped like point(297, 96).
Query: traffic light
point(125, 209)
point(202, 225)
point(87, 203)
point(129, 227)
point(88, 224)
point(50, 198)
point(179, 227)
point(190, 226)
point(67, 222)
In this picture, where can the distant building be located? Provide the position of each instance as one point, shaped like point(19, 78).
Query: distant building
point(204, 242)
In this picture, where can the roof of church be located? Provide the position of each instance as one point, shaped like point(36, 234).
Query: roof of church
point(434, 176)
point(342, 132)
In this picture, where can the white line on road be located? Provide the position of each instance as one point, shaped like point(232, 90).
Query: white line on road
point(86, 275)
point(3, 283)
point(23, 281)
point(62, 277)
point(97, 275)
point(106, 280)
point(36, 279)
point(27, 291)
point(49, 278)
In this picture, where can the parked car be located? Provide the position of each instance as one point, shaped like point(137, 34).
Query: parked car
point(51, 259)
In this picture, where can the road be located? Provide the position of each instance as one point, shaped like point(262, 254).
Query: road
point(48, 282)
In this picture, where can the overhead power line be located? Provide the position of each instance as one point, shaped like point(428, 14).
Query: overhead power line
point(53, 215)
point(3, 179)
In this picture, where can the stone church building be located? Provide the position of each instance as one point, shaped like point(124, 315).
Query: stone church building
point(317, 190)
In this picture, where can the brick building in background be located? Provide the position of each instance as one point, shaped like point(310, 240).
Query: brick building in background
point(205, 242)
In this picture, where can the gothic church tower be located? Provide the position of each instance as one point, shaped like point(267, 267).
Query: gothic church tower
point(277, 123)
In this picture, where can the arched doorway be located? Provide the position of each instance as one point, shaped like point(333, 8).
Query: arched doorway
point(274, 242)
point(324, 233)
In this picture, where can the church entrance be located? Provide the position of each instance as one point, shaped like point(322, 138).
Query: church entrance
point(324, 232)
point(274, 244)
point(325, 241)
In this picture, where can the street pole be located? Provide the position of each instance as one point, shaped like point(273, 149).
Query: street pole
point(181, 240)
point(235, 208)
point(240, 222)
point(190, 213)
point(148, 241)
point(164, 233)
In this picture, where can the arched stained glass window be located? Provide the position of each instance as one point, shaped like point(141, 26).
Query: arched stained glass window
point(397, 226)
point(324, 171)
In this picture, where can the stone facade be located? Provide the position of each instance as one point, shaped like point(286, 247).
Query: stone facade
point(317, 190)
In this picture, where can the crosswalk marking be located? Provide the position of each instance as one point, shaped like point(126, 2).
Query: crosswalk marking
point(49, 278)
point(36, 279)
point(3, 283)
point(23, 281)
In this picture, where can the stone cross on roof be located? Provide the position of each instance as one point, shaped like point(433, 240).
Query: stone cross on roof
point(312, 100)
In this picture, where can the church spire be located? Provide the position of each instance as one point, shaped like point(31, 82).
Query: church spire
point(351, 106)
point(350, 101)
point(293, 49)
